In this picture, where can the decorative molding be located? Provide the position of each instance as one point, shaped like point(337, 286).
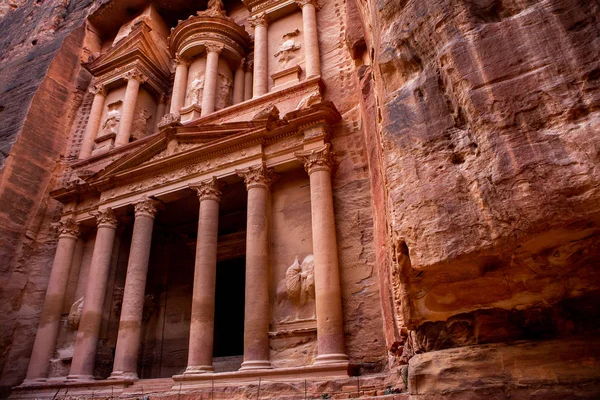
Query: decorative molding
point(317, 159)
point(68, 228)
point(257, 176)
point(208, 190)
point(106, 218)
point(302, 3)
point(147, 207)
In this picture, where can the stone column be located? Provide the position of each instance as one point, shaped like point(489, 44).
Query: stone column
point(261, 54)
point(160, 110)
point(45, 339)
point(94, 120)
point(311, 37)
point(210, 78)
point(130, 323)
point(238, 83)
point(134, 79)
point(248, 78)
point(84, 355)
point(328, 298)
point(179, 85)
point(257, 307)
point(202, 325)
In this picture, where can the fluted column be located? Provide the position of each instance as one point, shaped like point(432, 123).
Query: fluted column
point(261, 54)
point(311, 37)
point(330, 324)
point(134, 79)
point(257, 309)
point(160, 110)
point(130, 323)
point(202, 325)
point(84, 355)
point(238, 83)
point(210, 78)
point(248, 78)
point(45, 339)
point(179, 85)
point(93, 124)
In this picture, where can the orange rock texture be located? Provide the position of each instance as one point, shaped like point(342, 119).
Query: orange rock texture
point(466, 195)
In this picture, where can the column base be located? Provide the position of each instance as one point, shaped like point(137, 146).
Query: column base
point(80, 378)
point(256, 364)
point(124, 376)
point(33, 381)
point(198, 369)
point(331, 359)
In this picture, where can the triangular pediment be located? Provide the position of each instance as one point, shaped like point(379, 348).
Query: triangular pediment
point(176, 143)
point(137, 45)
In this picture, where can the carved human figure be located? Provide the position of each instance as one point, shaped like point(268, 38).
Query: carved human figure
point(297, 290)
point(285, 53)
point(110, 125)
point(75, 314)
point(224, 92)
point(194, 95)
point(140, 124)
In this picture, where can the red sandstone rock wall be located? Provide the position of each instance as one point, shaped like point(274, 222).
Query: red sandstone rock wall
point(41, 85)
point(486, 113)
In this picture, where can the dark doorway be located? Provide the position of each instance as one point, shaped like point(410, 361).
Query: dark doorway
point(229, 308)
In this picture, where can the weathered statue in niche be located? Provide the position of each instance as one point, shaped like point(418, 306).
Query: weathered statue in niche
point(75, 314)
point(224, 92)
point(110, 125)
point(289, 46)
point(194, 95)
point(296, 292)
point(139, 129)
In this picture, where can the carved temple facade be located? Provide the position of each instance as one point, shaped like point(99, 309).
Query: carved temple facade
point(198, 232)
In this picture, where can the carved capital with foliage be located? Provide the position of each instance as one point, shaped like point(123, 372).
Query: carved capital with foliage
point(208, 190)
point(147, 207)
point(259, 20)
point(135, 75)
point(68, 228)
point(258, 176)
point(106, 218)
point(214, 48)
point(99, 90)
point(317, 159)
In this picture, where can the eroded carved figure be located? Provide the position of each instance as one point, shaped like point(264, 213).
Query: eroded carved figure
point(285, 53)
point(224, 92)
point(298, 290)
point(75, 314)
point(194, 95)
point(140, 124)
point(110, 125)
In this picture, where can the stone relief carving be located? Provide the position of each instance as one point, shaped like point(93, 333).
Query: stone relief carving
point(75, 314)
point(110, 125)
point(311, 99)
point(224, 92)
point(139, 128)
point(296, 292)
point(194, 95)
point(285, 53)
point(215, 8)
point(171, 119)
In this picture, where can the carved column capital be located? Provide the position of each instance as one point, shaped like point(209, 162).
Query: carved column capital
point(99, 90)
point(208, 190)
point(259, 20)
point(180, 60)
point(214, 48)
point(242, 65)
point(147, 207)
point(135, 75)
point(250, 63)
point(106, 218)
point(163, 99)
point(302, 3)
point(317, 159)
point(68, 228)
point(257, 176)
